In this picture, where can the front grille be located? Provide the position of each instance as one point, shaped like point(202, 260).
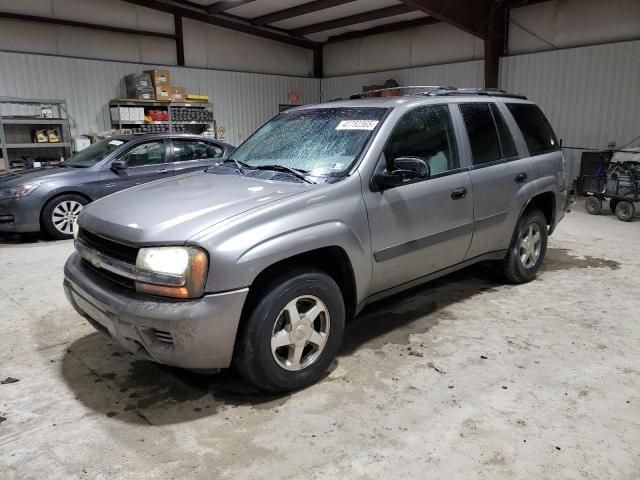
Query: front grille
point(108, 247)
point(115, 278)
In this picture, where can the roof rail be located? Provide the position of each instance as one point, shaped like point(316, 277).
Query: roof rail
point(491, 92)
point(432, 90)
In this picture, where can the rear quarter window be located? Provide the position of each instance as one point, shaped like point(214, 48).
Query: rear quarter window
point(535, 128)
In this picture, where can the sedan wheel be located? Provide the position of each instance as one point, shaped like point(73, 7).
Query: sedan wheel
point(65, 215)
point(59, 215)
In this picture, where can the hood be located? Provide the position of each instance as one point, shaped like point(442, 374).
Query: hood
point(13, 179)
point(173, 210)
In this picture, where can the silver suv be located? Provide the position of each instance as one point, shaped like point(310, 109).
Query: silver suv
point(260, 260)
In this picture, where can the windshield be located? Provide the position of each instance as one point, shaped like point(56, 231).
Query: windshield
point(94, 153)
point(323, 141)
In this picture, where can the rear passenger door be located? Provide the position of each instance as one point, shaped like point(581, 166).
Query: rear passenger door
point(493, 176)
point(190, 155)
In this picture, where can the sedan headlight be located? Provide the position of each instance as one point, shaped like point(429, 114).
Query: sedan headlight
point(178, 272)
point(19, 191)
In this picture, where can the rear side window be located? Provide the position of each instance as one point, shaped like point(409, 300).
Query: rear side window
point(535, 128)
point(506, 140)
point(483, 137)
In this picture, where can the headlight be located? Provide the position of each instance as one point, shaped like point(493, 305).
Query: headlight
point(76, 228)
point(19, 191)
point(179, 272)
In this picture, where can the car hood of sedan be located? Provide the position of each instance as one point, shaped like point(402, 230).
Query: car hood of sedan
point(170, 211)
point(22, 177)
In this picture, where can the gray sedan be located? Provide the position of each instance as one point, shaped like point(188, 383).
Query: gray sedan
point(50, 199)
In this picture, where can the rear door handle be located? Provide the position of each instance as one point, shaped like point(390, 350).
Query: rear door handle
point(521, 178)
point(459, 193)
point(166, 170)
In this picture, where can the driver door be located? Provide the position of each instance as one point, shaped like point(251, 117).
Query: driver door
point(426, 225)
point(146, 162)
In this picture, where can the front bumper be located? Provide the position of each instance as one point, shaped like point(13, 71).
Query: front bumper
point(21, 214)
point(194, 334)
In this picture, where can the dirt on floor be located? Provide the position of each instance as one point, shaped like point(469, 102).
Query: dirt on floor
point(466, 378)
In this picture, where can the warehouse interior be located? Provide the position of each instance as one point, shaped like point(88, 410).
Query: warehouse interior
point(466, 376)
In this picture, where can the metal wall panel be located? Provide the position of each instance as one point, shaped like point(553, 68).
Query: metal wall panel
point(242, 101)
point(463, 74)
point(590, 94)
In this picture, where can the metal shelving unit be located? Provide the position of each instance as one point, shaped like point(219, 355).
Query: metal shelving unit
point(169, 106)
point(13, 135)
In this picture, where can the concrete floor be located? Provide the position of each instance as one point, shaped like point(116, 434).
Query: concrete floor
point(465, 378)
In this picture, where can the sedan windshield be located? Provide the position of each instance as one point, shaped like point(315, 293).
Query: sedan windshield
point(94, 153)
point(318, 142)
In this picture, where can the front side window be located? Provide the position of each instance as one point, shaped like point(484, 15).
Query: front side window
point(483, 136)
point(151, 153)
point(186, 150)
point(426, 133)
point(535, 127)
point(320, 142)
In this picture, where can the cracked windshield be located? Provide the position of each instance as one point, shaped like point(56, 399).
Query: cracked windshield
point(319, 142)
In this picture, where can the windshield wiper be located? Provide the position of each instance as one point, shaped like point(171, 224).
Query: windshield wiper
point(239, 165)
point(301, 174)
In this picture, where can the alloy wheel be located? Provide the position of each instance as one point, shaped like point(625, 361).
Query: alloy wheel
point(530, 246)
point(300, 333)
point(65, 214)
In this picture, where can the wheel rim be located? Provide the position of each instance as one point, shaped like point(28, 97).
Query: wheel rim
point(65, 215)
point(625, 209)
point(300, 333)
point(530, 245)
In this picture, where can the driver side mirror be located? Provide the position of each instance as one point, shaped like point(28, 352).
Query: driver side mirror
point(117, 165)
point(404, 169)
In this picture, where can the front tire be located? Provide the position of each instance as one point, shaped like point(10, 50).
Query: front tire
point(528, 247)
point(292, 333)
point(593, 205)
point(59, 215)
point(625, 211)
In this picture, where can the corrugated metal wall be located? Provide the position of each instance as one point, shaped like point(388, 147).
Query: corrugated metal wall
point(242, 101)
point(467, 74)
point(590, 94)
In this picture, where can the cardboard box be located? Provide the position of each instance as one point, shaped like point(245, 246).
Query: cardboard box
point(163, 94)
point(160, 78)
point(122, 114)
point(178, 94)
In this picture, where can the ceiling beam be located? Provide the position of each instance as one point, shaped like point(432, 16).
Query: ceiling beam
point(353, 19)
point(226, 5)
point(199, 13)
point(92, 26)
point(471, 16)
point(387, 28)
point(298, 10)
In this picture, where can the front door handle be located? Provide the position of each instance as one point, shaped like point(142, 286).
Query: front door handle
point(521, 178)
point(166, 170)
point(459, 193)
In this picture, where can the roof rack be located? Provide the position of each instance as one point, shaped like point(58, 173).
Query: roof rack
point(433, 90)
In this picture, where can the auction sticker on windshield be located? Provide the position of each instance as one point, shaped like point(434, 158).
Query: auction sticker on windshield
point(357, 125)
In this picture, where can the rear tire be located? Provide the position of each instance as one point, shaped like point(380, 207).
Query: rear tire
point(593, 205)
point(625, 211)
point(60, 213)
point(528, 247)
point(292, 333)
